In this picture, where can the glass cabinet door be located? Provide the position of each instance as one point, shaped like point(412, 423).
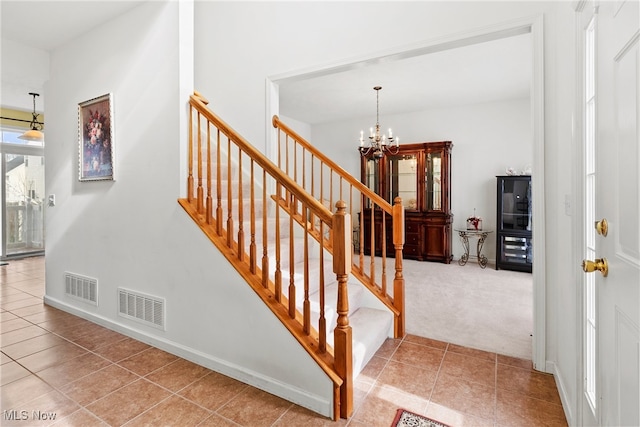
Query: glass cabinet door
point(403, 180)
point(371, 178)
point(516, 205)
point(433, 181)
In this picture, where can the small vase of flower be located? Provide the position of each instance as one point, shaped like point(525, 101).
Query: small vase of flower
point(474, 222)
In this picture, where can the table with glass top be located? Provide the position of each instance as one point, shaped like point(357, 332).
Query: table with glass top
point(481, 235)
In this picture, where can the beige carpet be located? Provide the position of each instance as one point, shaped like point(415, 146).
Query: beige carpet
point(466, 305)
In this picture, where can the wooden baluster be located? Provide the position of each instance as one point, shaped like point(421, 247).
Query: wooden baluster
point(294, 209)
point(209, 177)
point(252, 245)
point(306, 307)
point(286, 164)
point(361, 228)
point(265, 251)
point(218, 186)
point(190, 177)
point(384, 253)
point(200, 204)
point(292, 272)
point(343, 341)
point(304, 170)
point(278, 273)
point(229, 197)
point(240, 209)
point(313, 189)
point(372, 263)
point(398, 281)
point(322, 321)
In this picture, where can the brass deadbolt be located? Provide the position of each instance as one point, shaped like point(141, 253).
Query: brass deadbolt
point(602, 227)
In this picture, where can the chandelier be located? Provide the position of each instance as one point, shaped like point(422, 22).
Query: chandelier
point(378, 144)
point(34, 134)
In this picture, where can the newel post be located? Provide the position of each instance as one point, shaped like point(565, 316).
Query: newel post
point(398, 280)
point(343, 353)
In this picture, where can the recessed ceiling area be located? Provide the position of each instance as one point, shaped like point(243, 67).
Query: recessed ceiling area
point(483, 72)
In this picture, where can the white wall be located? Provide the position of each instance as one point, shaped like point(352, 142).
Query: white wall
point(239, 44)
point(132, 233)
point(487, 138)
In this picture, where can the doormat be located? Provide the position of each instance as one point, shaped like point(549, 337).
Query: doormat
point(406, 418)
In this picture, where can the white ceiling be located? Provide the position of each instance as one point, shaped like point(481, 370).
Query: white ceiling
point(46, 25)
point(483, 72)
point(477, 73)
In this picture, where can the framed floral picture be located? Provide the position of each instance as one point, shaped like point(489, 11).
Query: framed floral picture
point(95, 129)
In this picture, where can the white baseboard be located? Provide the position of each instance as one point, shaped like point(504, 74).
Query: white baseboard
point(295, 395)
point(552, 368)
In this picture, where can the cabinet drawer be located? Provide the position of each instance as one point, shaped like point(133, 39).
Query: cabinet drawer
point(412, 239)
point(411, 227)
point(411, 250)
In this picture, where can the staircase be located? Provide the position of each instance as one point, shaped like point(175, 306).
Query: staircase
point(274, 223)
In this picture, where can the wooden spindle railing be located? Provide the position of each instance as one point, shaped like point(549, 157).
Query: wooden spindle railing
point(218, 167)
point(324, 173)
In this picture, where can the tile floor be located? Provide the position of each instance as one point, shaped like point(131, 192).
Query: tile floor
point(56, 373)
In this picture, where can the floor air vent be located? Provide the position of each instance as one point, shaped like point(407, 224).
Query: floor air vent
point(143, 308)
point(81, 287)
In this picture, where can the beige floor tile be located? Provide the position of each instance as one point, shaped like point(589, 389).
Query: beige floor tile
point(73, 369)
point(95, 386)
point(23, 390)
point(419, 355)
point(410, 379)
point(380, 406)
point(11, 372)
point(470, 368)
point(465, 396)
point(32, 345)
point(8, 338)
point(52, 356)
point(45, 410)
point(213, 391)
point(517, 409)
point(254, 407)
point(128, 402)
point(177, 375)
point(175, 411)
point(121, 349)
point(298, 416)
point(530, 383)
point(80, 418)
point(147, 361)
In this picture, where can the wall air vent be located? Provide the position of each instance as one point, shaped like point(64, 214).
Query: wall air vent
point(81, 287)
point(142, 308)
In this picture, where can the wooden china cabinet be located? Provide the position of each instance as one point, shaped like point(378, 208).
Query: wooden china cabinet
point(419, 173)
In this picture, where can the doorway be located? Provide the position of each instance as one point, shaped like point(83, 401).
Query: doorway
point(534, 27)
point(22, 196)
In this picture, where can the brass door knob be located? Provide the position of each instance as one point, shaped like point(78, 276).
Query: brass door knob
point(602, 227)
point(600, 264)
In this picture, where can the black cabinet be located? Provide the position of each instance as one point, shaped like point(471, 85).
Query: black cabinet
point(514, 250)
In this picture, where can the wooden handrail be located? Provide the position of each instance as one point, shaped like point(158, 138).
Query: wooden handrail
point(386, 206)
point(291, 186)
point(371, 206)
point(225, 227)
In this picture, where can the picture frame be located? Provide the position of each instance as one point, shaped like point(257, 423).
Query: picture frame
point(96, 139)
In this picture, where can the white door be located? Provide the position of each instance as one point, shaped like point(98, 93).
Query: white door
point(616, 364)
